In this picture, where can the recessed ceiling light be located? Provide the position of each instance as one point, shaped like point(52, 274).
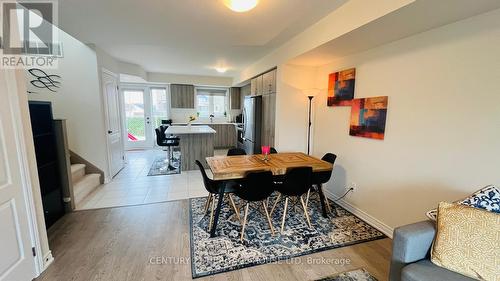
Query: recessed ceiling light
point(220, 69)
point(241, 6)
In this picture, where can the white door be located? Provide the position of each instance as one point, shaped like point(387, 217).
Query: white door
point(137, 113)
point(16, 258)
point(115, 135)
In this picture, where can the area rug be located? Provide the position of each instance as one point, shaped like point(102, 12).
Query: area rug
point(160, 165)
point(353, 275)
point(226, 252)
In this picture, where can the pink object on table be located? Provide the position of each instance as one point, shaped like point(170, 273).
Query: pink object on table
point(266, 149)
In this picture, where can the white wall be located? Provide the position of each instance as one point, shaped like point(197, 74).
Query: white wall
point(78, 100)
point(292, 106)
point(443, 123)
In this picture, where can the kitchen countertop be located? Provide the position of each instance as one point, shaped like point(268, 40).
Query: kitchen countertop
point(208, 123)
point(186, 130)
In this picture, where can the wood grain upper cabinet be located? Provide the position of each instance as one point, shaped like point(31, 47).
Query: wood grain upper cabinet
point(246, 90)
point(182, 96)
point(235, 97)
point(268, 119)
point(256, 86)
point(269, 82)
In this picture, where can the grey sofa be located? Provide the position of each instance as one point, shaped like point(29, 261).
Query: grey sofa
point(410, 255)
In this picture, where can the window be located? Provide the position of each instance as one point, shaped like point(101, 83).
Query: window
point(159, 105)
point(211, 101)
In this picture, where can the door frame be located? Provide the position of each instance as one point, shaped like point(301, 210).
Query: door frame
point(18, 102)
point(149, 141)
point(106, 118)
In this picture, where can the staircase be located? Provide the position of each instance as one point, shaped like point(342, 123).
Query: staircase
point(83, 183)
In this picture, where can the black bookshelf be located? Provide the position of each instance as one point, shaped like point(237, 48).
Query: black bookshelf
point(42, 124)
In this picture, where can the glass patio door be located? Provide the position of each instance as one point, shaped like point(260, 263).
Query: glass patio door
point(137, 109)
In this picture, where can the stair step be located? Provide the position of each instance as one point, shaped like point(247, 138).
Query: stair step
point(77, 172)
point(85, 186)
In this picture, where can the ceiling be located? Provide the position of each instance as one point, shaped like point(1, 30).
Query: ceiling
point(417, 17)
point(189, 36)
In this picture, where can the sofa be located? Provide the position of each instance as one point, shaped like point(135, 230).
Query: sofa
point(411, 252)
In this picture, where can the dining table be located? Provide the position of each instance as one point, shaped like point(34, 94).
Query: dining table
point(237, 167)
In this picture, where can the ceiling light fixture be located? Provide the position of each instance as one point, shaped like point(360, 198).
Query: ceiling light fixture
point(241, 6)
point(220, 69)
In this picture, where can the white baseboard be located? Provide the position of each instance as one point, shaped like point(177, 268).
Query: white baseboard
point(47, 260)
point(382, 227)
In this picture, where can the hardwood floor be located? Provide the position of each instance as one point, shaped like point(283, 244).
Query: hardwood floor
point(124, 243)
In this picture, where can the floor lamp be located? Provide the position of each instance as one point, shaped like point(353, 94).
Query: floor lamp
point(309, 126)
point(310, 93)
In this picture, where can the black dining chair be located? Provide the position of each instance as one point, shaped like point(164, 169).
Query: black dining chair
point(213, 187)
point(169, 142)
point(236, 151)
point(296, 183)
point(320, 178)
point(256, 187)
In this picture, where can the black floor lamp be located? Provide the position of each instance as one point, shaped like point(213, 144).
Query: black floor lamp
point(310, 93)
point(309, 125)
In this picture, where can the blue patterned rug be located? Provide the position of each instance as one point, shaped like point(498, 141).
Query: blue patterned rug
point(226, 252)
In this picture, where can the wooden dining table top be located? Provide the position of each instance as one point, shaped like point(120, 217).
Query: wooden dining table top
point(236, 167)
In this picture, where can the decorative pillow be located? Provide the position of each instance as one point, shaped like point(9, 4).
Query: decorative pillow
point(467, 241)
point(487, 198)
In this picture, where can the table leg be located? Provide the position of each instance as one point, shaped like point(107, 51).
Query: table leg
point(322, 199)
point(217, 212)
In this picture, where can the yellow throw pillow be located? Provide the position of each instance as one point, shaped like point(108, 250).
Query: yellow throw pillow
point(467, 241)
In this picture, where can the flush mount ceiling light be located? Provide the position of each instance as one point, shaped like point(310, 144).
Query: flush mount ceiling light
point(241, 6)
point(220, 69)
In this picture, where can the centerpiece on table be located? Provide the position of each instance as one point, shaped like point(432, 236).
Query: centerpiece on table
point(191, 119)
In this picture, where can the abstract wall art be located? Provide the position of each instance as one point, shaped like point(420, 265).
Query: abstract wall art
point(368, 116)
point(341, 87)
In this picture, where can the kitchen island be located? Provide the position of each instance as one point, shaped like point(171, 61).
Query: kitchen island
point(196, 143)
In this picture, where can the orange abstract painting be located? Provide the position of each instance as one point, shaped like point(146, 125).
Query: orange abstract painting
point(341, 87)
point(368, 116)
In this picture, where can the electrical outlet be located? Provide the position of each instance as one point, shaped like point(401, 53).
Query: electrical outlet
point(354, 186)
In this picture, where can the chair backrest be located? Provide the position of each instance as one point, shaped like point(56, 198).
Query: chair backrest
point(324, 177)
point(256, 186)
point(236, 151)
point(210, 185)
point(159, 137)
point(297, 181)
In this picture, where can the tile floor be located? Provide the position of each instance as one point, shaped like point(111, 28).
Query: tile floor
point(133, 186)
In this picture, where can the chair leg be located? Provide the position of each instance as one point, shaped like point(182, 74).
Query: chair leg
point(307, 197)
point(212, 214)
point(284, 215)
point(234, 207)
point(328, 205)
point(268, 217)
point(305, 211)
point(207, 204)
point(244, 222)
point(275, 203)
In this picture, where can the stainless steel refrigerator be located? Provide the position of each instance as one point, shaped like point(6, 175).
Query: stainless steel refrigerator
point(252, 114)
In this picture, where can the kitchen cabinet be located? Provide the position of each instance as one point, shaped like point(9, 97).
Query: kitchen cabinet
point(235, 98)
point(246, 90)
point(256, 86)
point(225, 135)
point(181, 96)
point(268, 119)
point(269, 82)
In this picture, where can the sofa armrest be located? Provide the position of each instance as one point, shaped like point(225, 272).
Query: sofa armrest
point(410, 243)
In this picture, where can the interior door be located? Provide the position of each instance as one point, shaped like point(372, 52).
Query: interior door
point(16, 258)
point(137, 109)
point(115, 135)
